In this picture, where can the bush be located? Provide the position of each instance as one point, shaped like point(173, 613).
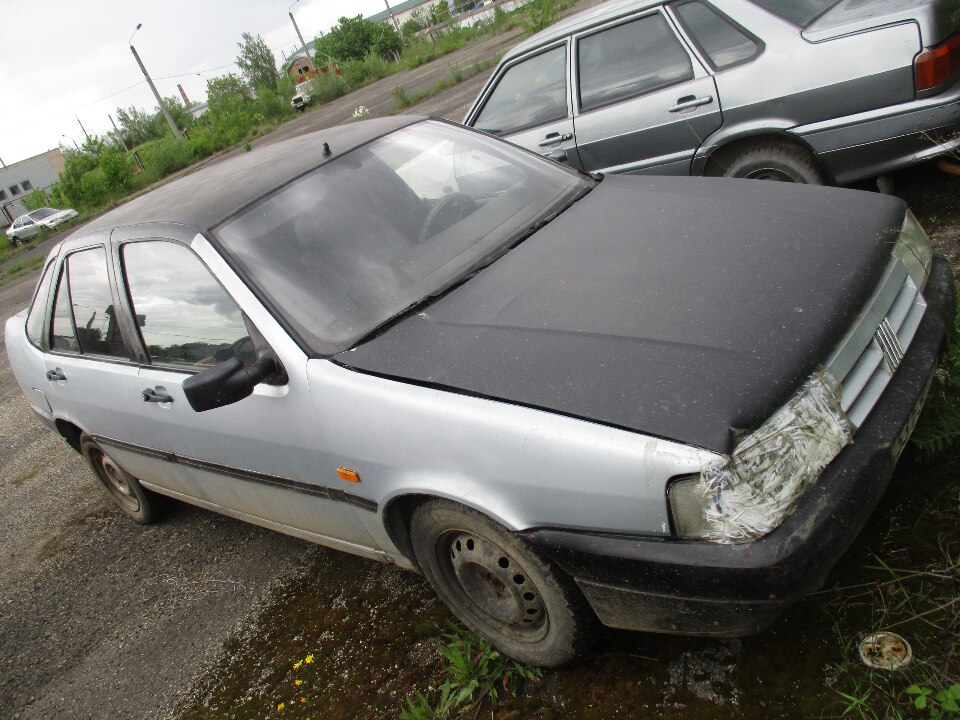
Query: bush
point(329, 87)
point(168, 155)
point(94, 188)
point(116, 168)
point(35, 200)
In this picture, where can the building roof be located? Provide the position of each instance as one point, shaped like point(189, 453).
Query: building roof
point(398, 8)
point(205, 198)
point(301, 51)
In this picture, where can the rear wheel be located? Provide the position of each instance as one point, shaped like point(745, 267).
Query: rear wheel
point(777, 161)
point(499, 587)
point(137, 502)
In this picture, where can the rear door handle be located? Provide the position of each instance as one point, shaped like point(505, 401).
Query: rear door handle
point(691, 101)
point(56, 374)
point(152, 395)
point(555, 137)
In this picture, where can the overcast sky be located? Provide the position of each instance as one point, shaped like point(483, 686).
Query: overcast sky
point(63, 59)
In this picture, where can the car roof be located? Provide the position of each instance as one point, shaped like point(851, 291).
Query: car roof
point(579, 21)
point(203, 199)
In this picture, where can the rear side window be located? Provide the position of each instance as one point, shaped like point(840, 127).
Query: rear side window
point(185, 317)
point(722, 42)
point(532, 92)
point(35, 318)
point(628, 60)
point(84, 319)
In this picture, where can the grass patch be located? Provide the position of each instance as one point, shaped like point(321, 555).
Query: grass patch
point(22, 268)
point(457, 75)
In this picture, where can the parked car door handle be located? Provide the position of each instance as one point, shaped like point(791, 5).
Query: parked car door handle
point(555, 137)
point(691, 101)
point(151, 395)
point(56, 374)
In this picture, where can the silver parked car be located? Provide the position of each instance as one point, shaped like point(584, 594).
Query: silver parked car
point(812, 91)
point(668, 404)
point(26, 226)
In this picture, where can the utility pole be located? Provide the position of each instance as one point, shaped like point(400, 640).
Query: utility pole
point(123, 140)
point(74, 142)
point(163, 108)
point(393, 17)
point(85, 133)
point(302, 43)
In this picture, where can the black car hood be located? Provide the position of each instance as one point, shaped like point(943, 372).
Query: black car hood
point(687, 308)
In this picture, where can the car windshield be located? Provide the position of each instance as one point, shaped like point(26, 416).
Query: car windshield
point(798, 12)
point(358, 241)
point(42, 213)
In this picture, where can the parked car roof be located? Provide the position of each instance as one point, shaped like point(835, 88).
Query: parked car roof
point(205, 198)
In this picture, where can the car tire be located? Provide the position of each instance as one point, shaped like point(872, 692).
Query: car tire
point(137, 503)
point(16, 242)
point(499, 587)
point(778, 161)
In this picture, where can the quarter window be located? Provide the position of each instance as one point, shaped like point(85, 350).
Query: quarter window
point(723, 43)
point(628, 60)
point(84, 319)
point(185, 317)
point(35, 318)
point(532, 92)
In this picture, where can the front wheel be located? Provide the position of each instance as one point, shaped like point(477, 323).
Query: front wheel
point(15, 241)
point(130, 496)
point(499, 587)
point(778, 161)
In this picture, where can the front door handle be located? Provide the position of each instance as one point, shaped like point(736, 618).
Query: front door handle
point(555, 137)
point(691, 101)
point(56, 374)
point(152, 395)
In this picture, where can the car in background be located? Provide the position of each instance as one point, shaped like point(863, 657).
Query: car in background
point(669, 404)
point(808, 91)
point(26, 226)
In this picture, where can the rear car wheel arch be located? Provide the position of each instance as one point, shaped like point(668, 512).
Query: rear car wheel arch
point(780, 152)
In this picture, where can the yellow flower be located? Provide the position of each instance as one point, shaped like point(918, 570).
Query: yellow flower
point(280, 707)
point(308, 659)
point(298, 683)
point(297, 664)
point(303, 700)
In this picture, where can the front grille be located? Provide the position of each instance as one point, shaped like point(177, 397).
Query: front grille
point(868, 356)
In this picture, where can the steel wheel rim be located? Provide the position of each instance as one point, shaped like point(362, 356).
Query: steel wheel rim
point(115, 479)
point(771, 174)
point(494, 586)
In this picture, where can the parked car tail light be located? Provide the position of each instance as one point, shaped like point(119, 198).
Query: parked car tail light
point(938, 64)
point(915, 251)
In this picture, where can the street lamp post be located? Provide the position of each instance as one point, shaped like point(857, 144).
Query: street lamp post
point(295, 27)
point(163, 108)
point(74, 142)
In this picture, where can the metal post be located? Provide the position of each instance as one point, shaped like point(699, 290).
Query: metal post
point(74, 142)
point(393, 17)
point(85, 133)
point(163, 108)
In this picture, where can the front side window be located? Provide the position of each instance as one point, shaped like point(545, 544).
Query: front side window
point(532, 92)
point(723, 43)
point(186, 318)
point(628, 60)
point(375, 231)
point(84, 317)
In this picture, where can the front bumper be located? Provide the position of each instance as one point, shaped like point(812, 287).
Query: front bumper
point(703, 588)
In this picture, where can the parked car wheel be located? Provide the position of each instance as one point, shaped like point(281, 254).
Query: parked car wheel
point(498, 586)
point(137, 502)
point(15, 241)
point(780, 162)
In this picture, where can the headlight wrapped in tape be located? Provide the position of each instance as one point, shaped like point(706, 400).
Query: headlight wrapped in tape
point(746, 495)
point(914, 250)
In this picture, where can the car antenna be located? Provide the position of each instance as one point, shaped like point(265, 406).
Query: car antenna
point(326, 150)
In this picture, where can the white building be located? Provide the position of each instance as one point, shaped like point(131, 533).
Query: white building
point(19, 179)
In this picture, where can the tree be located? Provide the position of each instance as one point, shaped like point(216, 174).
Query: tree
point(257, 62)
point(137, 126)
point(355, 38)
point(226, 93)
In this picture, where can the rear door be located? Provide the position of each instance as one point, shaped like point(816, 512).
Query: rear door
point(91, 378)
point(643, 102)
point(528, 103)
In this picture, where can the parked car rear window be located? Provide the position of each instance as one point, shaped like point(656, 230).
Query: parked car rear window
point(42, 213)
point(630, 59)
point(371, 233)
point(798, 12)
point(532, 92)
point(723, 43)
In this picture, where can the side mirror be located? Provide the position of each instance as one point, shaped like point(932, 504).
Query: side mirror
point(228, 382)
